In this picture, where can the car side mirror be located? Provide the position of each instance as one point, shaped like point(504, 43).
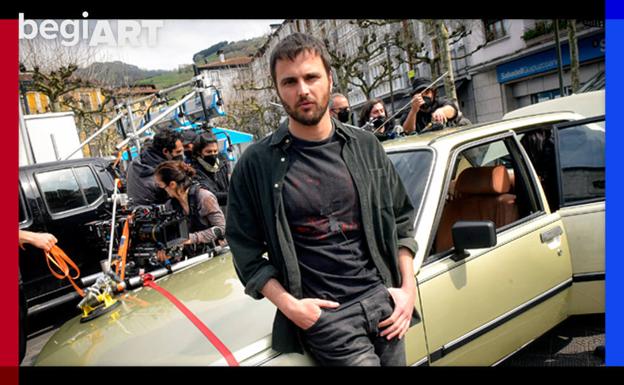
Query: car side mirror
point(472, 235)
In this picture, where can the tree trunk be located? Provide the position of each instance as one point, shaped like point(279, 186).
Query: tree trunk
point(574, 59)
point(445, 59)
point(343, 83)
point(55, 105)
point(409, 38)
point(431, 31)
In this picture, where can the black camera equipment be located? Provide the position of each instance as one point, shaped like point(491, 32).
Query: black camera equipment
point(149, 229)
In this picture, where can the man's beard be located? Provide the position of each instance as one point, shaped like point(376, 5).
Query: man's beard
point(307, 120)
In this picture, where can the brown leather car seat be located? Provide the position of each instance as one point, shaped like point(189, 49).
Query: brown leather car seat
point(481, 193)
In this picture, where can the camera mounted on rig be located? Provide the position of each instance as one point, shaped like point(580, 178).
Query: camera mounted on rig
point(148, 229)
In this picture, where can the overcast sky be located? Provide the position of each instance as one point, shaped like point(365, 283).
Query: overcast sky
point(178, 40)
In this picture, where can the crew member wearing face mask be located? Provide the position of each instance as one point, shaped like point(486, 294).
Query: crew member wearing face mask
point(188, 136)
point(427, 109)
point(340, 108)
point(141, 187)
point(373, 117)
point(212, 168)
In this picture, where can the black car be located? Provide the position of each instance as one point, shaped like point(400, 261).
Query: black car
point(60, 198)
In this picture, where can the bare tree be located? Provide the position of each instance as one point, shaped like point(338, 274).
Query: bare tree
point(252, 116)
point(54, 67)
point(443, 35)
point(354, 70)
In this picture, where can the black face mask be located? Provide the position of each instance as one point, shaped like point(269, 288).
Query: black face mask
point(343, 115)
point(179, 157)
point(428, 104)
point(377, 122)
point(210, 159)
point(188, 154)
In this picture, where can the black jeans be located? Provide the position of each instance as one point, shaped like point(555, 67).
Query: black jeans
point(349, 334)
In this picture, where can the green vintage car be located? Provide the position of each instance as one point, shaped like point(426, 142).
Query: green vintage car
point(510, 228)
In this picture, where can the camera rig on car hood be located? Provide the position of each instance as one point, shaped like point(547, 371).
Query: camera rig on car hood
point(145, 230)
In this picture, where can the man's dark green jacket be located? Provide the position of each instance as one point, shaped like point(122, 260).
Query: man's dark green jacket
point(256, 220)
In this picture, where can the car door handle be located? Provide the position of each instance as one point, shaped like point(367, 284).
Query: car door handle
point(551, 234)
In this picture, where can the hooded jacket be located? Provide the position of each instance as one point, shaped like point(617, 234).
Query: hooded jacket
point(141, 184)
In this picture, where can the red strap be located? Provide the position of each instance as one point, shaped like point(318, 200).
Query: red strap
point(216, 342)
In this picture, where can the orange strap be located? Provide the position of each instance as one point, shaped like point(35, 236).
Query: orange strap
point(123, 246)
point(63, 263)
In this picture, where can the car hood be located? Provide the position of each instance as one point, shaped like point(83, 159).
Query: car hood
point(147, 329)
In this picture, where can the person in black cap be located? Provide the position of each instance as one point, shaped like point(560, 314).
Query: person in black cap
point(427, 109)
point(188, 136)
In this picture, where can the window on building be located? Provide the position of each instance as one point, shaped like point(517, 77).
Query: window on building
point(85, 100)
point(549, 95)
point(494, 29)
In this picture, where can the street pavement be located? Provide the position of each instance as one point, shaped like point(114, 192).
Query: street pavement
point(571, 343)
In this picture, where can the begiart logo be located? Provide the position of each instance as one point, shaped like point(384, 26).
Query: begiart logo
point(71, 31)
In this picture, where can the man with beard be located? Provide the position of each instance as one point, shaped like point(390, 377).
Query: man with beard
point(427, 109)
point(142, 189)
point(319, 223)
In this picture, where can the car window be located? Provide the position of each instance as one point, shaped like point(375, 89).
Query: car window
point(88, 183)
point(490, 155)
point(581, 150)
point(413, 168)
point(489, 181)
point(60, 190)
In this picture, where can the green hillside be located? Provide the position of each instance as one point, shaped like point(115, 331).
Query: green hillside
point(169, 79)
point(232, 49)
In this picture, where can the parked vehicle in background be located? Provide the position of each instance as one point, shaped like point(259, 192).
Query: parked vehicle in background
point(510, 228)
point(59, 198)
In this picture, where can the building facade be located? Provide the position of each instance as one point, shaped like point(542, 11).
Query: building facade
point(499, 65)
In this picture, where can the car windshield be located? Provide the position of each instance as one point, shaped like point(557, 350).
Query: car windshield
point(414, 169)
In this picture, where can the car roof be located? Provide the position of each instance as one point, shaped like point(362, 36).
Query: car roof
point(587, 104)
point(70, 162)
point(510, 123)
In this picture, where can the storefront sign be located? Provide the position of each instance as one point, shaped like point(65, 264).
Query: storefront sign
point(589, 48)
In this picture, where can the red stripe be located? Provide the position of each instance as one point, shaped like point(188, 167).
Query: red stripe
point(9, 97)
point(214, 340)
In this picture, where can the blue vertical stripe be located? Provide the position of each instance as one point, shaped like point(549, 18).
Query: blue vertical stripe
point(614, 205)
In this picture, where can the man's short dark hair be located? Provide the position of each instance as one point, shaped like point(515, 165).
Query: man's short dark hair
point(292, 45)
point(188, 136)
point(166, 139)
point(202, 141)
